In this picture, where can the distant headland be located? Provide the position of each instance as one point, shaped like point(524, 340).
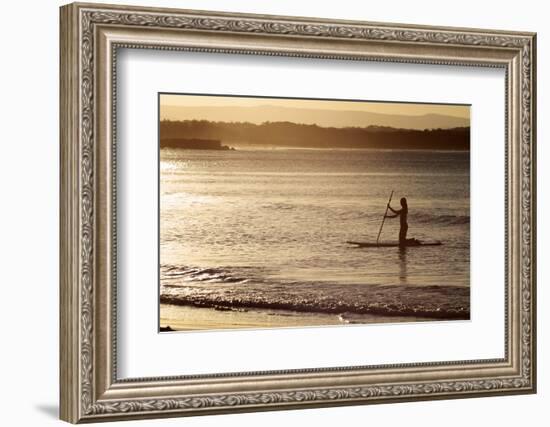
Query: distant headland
point(193, 144)
point(204, 134)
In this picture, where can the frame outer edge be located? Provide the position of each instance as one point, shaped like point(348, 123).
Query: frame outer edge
point(69, 356)
point(77, 338)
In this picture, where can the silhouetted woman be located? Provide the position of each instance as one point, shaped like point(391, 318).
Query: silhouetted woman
point(402, 214)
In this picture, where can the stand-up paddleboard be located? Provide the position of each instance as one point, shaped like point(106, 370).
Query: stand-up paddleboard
point(395, 244)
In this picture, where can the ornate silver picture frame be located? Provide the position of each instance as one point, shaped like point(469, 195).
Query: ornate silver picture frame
point(91, 36)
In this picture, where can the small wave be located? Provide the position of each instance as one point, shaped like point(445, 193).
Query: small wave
point(280, 206)
point(440, 219)
point(369, 216)
point(339, 308)
point(197, 274)
point(226, 289)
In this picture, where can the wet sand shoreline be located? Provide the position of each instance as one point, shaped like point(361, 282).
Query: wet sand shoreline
point(189, 318)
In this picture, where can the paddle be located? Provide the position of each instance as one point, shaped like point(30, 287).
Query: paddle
point(384, 218)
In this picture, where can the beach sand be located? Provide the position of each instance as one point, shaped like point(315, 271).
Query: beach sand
point(189, 318)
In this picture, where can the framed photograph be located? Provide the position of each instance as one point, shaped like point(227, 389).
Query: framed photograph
point(265, 212)
point(260, 233)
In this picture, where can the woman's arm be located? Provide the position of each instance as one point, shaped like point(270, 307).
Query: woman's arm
point(394, 211)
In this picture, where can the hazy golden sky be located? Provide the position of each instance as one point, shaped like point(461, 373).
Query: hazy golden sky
point(320, 112)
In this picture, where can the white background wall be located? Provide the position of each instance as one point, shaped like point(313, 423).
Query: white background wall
point(29, 171)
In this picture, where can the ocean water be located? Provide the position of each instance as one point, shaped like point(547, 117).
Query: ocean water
point(267, 230)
